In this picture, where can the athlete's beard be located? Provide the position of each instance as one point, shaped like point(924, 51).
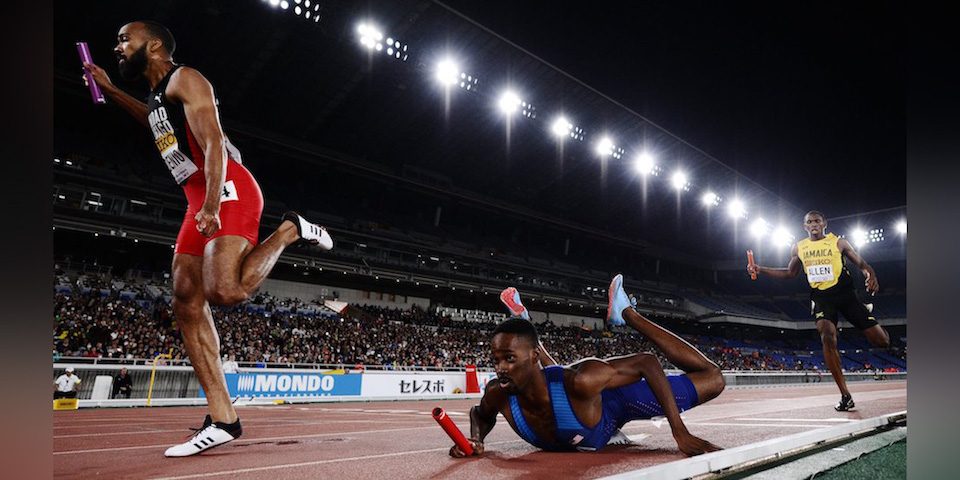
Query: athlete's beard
point(133, 66)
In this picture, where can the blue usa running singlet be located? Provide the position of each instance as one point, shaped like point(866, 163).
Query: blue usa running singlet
point(620, 405)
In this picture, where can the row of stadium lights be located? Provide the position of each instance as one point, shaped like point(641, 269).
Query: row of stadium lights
point(449, 74)
point(861, 237)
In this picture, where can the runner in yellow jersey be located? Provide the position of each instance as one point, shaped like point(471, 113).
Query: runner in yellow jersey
point(820, 257)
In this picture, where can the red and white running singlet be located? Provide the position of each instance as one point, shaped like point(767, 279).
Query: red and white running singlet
point(241, 201)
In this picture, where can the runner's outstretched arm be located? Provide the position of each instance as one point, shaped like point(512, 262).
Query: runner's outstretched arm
point(792, 270)
point(482, 419)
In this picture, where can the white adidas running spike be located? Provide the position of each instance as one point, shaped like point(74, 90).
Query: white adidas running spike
point(212, 434)
point(310, 232)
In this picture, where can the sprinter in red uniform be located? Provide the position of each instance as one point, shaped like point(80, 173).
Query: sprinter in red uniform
point(217, 259)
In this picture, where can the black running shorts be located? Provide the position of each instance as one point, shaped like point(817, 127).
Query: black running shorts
point(827, 304)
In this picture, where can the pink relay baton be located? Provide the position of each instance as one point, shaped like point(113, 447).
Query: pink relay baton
point(95, 92)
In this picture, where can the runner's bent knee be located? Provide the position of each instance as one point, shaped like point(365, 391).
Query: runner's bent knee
point(225, 296)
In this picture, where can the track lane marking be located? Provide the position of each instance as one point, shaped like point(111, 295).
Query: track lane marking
point(319, 462)
point(289, 425)
point(249, 440)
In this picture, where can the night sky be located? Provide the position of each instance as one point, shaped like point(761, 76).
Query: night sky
point(805, 98)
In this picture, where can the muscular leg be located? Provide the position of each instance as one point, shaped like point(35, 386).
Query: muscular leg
point(877, 336)
point(828, 335)
point(200, 337)
point(232, 269)
point(705, 375)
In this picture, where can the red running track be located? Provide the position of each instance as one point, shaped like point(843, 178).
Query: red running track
point(400, 440)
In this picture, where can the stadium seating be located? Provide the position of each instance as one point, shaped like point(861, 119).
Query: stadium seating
point(268, 329)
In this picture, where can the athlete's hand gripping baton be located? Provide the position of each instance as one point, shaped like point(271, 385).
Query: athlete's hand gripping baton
point(753, 276)
point(448, 426)
point(95, 92)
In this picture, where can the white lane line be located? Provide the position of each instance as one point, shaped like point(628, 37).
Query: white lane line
point(798, 419)
point(292, 422)
point(284, 425)
point(318, 462)
point(251, 440)
point(638, 437)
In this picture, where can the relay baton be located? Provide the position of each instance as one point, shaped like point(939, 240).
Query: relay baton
point(753, 276)
point(95, 92)
point(455, 434)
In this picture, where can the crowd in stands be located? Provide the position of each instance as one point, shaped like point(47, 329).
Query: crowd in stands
point(95, 325)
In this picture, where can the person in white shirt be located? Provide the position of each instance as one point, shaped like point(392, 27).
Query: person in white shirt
point(65, 386)
point(231, 366)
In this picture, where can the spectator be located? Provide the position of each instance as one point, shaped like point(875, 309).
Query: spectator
point(65, 386)
point(122, 384)
point(231, 366)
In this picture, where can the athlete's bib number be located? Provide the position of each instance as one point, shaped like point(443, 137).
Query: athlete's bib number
point(180, 165)
point(820, 273)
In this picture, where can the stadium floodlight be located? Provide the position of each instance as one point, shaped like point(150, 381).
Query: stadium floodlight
point(448, 72)
point(901, 227)
point(782, 237)
point(509, 102)
point(679, 181)
point(561, 127)
point(303, 9)
point(527, 109)
point(710, 199)
point(576, 133)
point(737, 209)
point(875, 235)
point(370, 36)
point(467, 82)
point(859, 237)
point(644, 164)
point(607, 148)
point(759, 228)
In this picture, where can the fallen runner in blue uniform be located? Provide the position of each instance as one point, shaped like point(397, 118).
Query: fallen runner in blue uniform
point(582, 406)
